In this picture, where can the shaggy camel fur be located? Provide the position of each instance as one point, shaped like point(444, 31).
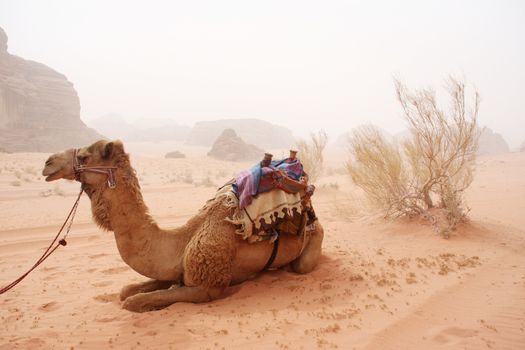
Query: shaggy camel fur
point(191, 263)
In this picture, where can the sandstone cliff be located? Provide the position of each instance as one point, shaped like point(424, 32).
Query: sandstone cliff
point(255, 131)
point(231, 147)
point(39, 107)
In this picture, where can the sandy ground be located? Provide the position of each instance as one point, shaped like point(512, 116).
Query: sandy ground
point(379, 285)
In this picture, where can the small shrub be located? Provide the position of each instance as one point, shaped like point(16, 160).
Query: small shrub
point(376, 167)
point(310, 152)
point(187, 178)
point(332, 185)
point(30, 170)
point(431, 169)
point(46, 193)
point(206, 182)
point(221, 174)
point(16, 183)
point(58, 191)
point(172, 180)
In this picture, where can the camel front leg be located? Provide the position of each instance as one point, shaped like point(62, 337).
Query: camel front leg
point(311, 253)
point(144, 287)
point(161, 298)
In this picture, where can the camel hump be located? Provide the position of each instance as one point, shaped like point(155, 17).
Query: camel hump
point(204, 264)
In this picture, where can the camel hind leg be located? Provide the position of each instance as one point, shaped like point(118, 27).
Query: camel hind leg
point(144, 287)
point(311, 253)
point(159, 299)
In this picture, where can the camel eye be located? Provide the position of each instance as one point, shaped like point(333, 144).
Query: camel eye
point(82, 159)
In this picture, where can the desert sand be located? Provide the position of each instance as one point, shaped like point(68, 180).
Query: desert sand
point(379, 285)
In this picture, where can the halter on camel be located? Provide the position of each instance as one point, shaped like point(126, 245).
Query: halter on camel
point(106, 170)
point(77, 170)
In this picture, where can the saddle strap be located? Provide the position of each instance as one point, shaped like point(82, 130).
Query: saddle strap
point(274, 254)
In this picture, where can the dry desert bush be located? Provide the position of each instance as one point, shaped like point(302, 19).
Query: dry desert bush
point(59, 191)
point(187, 178)
point(426, 174)
point(30, 170)
point(310, 152)
point(206, 182)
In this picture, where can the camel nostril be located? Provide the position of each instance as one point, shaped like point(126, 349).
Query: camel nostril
point(48, 162)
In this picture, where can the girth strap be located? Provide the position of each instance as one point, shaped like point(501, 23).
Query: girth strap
point(274, 253)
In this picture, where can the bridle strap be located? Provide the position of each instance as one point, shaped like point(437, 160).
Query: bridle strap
point(52, 246)
point(104, 170)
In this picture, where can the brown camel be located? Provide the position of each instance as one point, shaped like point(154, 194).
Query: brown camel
point(191, 263)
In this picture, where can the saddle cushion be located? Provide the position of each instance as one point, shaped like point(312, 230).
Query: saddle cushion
point(268, 212)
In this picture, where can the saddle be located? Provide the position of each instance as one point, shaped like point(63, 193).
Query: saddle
point(271, 198)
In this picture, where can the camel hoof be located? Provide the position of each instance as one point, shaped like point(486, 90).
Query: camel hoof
point(136, 303)
point(127, 291)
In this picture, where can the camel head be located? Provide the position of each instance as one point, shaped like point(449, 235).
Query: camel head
point(100, 154)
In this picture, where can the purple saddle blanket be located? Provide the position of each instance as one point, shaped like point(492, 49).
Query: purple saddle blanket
point(250, 182)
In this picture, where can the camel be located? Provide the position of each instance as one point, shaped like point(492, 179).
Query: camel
point(192, 263)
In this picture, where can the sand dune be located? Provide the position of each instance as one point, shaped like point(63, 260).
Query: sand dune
point(380, 285)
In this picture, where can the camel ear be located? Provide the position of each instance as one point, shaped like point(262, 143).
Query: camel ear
point(112, 148)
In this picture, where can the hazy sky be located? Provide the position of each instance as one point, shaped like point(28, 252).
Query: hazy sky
point(303, 64)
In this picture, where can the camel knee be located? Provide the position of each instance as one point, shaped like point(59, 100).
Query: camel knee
point(311, 253)
point(305, 264)
point(215, 293)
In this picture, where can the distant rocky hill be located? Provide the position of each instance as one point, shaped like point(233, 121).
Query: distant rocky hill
point(491, 142)
point(152, 130)
point(39, 107)
point(229, 146)
point(111, 125)
point(254, 131)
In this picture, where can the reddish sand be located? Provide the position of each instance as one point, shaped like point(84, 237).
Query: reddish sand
point(379, 285)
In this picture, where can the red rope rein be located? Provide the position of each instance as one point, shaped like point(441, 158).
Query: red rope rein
point(50, 249)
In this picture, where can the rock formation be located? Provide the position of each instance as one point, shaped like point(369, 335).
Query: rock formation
point(113, 126)
point(143, 130)
point(231, 147)
point(255, 131)
point(39, 107)
point(175, 155)
point(491, 142)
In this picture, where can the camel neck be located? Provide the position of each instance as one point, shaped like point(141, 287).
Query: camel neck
point(146, 248)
